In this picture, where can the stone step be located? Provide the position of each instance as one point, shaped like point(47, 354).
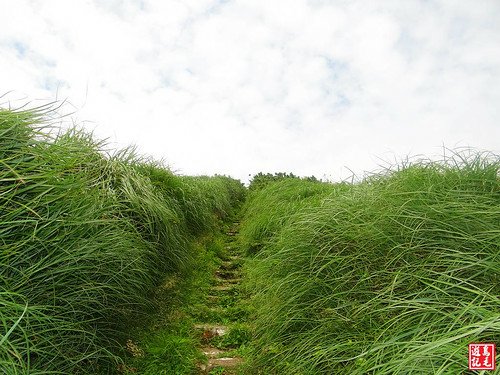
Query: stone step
point(226, 362)
point(212, 352)
point(224, 287)
point(216, 329)
point(230, 265)
point(209, 331)
point(223, 274)
point(235, 280)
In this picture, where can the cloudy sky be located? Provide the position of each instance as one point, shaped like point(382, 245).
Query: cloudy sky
point(314, 87)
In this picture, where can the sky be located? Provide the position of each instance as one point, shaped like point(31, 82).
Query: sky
point(237, 87)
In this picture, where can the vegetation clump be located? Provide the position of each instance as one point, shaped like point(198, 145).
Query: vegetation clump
point(395, 274)
point(85, 237)
point(260, 180)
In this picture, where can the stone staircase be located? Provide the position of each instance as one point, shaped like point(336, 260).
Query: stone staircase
point(223, 295)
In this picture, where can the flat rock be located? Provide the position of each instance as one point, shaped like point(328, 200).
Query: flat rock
point(212, 352)
point(223, 287)
point(226, 362)
point(212, 329)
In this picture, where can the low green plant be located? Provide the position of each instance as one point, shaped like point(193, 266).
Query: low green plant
point(217, 371)
point(238, 335)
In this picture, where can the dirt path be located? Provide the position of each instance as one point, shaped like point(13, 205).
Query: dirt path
point(200, 320)
point(224, 333)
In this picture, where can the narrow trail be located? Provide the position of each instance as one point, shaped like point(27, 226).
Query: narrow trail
point(201, 321)
point(224, 330)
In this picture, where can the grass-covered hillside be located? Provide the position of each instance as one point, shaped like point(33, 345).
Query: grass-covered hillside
point(85, 237)
point(112, 264)
point(393, 275)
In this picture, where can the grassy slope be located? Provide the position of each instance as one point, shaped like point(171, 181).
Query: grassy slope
point(84, 240)
point(269, 209)
point(396, 274)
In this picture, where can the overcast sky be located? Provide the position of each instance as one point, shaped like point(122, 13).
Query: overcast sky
point(237, 87)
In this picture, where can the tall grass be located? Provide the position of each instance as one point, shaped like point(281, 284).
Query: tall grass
point(84, 237)
point(267, 210)
point(396, 275)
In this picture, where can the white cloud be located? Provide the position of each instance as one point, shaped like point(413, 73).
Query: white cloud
point(243, 86)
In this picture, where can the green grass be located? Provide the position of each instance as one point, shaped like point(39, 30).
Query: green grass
point(396, 274)
point(85, 238)
point(267, 210)
point(104, 257)
point(167, 343)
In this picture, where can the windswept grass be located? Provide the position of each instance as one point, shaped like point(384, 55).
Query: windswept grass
point(268, 210)
point(395, 275)
point(84, 238)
